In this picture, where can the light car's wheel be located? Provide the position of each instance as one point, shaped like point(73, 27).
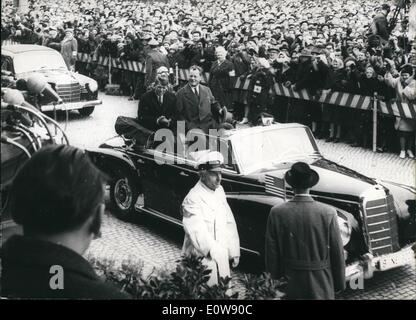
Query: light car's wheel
point(85, 112)
point(123, 194)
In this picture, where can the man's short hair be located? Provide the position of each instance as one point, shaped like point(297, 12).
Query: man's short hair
point(56, 190)
point(195, 67)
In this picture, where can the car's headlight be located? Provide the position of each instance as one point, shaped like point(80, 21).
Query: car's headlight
point(93, 86)
point(345, 230)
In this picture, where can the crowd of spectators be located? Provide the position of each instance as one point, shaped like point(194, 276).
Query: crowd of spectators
point(320, 45)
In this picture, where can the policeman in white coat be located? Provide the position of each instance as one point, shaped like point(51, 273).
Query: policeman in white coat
point(210, 228)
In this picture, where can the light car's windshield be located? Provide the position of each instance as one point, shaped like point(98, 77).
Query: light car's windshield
point(40, 60)
point(271, 147)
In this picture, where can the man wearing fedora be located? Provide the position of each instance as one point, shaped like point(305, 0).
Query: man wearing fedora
point(303, 241)
point(210, 228)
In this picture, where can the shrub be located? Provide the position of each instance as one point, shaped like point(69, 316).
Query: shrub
point(262, 287)
point(187, 282)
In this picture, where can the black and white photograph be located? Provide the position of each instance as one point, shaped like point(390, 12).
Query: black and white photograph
point(208, 150)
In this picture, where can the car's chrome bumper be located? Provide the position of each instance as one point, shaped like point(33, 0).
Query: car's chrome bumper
point(71, 106)
point(370, 264)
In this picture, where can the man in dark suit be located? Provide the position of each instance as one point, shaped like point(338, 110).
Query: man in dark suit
point(157, 106)
point(303, 241)
point(58, 199)
point(196, 105)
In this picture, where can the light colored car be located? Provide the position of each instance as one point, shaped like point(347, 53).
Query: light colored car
point(77, 91)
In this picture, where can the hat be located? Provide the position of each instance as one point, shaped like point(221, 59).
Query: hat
point(153, 42)
point(209, 160)
point(302, 176)
point(407, 68)
point(306, 53)
point(350, 59)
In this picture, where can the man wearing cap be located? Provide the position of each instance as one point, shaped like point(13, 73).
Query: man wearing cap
point(154, 60)
point(210, 228)
point(303, 241)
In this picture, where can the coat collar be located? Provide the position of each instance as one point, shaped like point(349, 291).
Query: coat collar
point(23, 250)
point(302, 198)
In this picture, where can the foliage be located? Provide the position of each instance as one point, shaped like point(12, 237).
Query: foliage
point(187, 281)
point(262, 287)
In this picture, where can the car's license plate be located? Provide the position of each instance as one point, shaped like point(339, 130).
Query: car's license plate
point(395, 259)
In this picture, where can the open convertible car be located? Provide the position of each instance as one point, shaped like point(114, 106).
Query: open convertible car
point(376, 218)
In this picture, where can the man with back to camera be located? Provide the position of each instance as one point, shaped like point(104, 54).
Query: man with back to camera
point(210, 228)
point(303, 241)
point(58, 199)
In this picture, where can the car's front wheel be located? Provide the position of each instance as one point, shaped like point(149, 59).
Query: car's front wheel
point(85, 112)
point(123, 194)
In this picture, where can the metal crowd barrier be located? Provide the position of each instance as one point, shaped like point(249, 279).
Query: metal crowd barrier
point(343, 99)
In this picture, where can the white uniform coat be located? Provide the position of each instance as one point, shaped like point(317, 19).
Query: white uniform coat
point(210, 229)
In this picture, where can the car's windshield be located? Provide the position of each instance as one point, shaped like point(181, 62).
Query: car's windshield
point(41, 60)
point(269, 148)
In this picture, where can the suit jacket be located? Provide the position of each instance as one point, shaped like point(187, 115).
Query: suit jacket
point(196, 112)
point(210, 229)
point(26, 264)
point(303, 243)
point(150, 109)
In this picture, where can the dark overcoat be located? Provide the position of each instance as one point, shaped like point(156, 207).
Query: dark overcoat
point(220, 82)
point(26, 272)
point(303, 243)
point(196, 111)
point(150, 109)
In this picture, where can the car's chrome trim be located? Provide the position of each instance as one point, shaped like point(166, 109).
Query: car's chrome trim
point(70, 106)
point(159, 215)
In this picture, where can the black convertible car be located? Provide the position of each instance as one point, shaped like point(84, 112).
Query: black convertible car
point(376, 218)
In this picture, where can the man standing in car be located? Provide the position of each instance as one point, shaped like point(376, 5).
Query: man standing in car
point(210, 228)
point(303, 241)
point(194, 105)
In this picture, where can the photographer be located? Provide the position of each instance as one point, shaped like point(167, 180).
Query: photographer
point(380, 24)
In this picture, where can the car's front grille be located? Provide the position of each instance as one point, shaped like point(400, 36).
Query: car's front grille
point(69, 92)
point(381, 223)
